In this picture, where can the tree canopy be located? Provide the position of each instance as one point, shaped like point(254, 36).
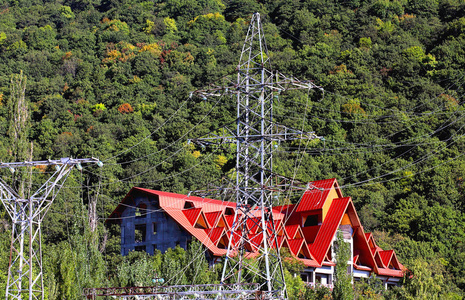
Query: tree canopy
point(111, 79)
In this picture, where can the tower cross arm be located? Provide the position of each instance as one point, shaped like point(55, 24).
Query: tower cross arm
point(277, 82)
point(284, 83)
point(280, 133)
point(49, 162)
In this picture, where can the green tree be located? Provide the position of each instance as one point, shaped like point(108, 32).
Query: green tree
point(18, 131)
point(343, 289)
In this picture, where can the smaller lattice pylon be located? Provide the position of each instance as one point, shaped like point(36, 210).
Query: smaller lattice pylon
point(25, 270)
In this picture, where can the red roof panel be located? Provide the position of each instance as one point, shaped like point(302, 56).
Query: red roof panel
point(284, 208)
point(295, 245)
point(328, 229)
point(291, 230)
point(315, 198)
point(395, 262)
point(293, 219)
point(379, 261)
point(279, 239)
point(256, 240)
point(386, 256)
point(310, 263)
point(229, 220)
point(214, 234)
point(310, 233)
point(192, 214)
point(253, 224)
point(362, 268)
point(213, 217)
point(199, 234)
point(390, 272)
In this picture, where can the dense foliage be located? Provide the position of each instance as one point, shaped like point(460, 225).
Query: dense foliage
point(111, 79)
point(343, 289)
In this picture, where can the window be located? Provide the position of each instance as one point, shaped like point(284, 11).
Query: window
point(222, 243)
point(322, 279)
point(154, 228)
point(229, 211)
point(311, 221)
point(154, 247)
point(188, 205)
point(201, 223)
point(139, 248)
point(140, 232)
point(141, 210)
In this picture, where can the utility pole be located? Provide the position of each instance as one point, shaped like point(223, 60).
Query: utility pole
point(256, 88)
point(25, 270)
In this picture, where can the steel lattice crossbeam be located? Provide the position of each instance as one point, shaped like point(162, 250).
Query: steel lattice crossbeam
point(204, 291)
point(256, 87)
point(25, 271)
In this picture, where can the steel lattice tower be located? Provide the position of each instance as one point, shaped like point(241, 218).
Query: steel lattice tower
point(25, 272)
point(255, 136)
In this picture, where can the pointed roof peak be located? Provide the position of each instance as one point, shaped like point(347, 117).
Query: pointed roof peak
point(316, 195)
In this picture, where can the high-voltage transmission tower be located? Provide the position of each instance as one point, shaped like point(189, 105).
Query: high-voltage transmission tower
point(25, 271)
point(255, 135)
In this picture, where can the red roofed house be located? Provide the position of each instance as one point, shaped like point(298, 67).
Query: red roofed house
point(159, 220)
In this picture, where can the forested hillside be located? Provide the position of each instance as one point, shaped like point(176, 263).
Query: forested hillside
point(111, 79)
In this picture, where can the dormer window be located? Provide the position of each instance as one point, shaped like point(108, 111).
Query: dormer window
point(229, 211)
point(311, 220)
point(188, 204)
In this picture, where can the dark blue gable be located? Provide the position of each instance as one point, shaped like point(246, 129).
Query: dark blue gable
point(144, 226)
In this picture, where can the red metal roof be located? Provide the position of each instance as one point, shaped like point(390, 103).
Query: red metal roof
point(395, 262)
point(291, 230)
point(236, 236)
point(310, 233)
point(315, 198)
point(280, 240)
point(284, 208)
point(316, 239)
point(306, 250)
point(362, 268)
point(328, 229)
point(256, 240)
point(379, 261)
point(293, 218)
point(253, 224)
point(361, 247)
point(207, 204)
point(192, 214)
point(229, 220)
point(213, 217)
point(295, 245)
point(199, 234)
point(390, 272)
point(214, 234)
point(310, 263)
point(386, 257)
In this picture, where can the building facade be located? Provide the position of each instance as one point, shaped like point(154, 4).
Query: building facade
point(152, 220)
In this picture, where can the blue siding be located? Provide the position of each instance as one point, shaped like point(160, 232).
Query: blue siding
point(168, 233)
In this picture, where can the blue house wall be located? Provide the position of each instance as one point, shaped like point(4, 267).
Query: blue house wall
point(144, 214)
